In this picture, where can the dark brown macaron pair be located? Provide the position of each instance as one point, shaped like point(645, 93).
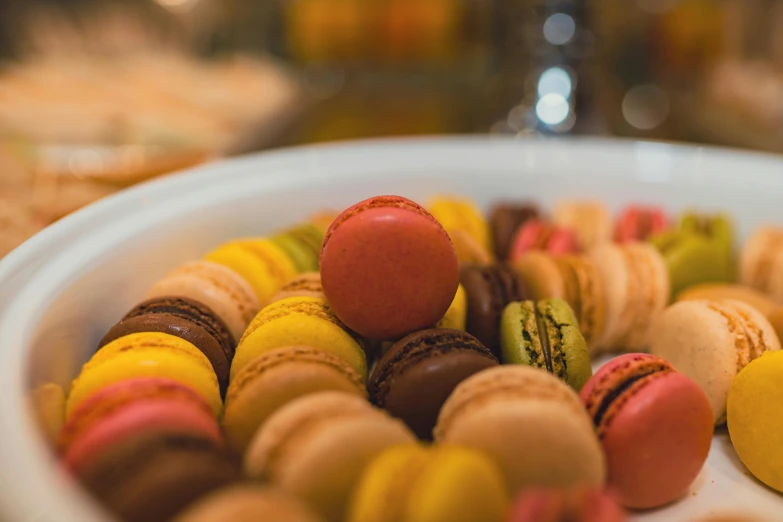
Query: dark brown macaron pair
point(185, 318)
point(418, 373)
point(152, 478)
point(489, 289)
point(504, 220)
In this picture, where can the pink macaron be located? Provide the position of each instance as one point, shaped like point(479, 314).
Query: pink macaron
point(579, 504)
point(655, 425)
point(116, 396)
point(388, 268)
point(137, 419)
point(540, 235)
point(637, 223)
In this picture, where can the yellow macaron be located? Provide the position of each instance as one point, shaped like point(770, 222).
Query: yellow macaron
point(299, 321)
point(461, 214)
point(261, 262)
point(413, 483)
point(456, 315)
point(754, 419)
point(147, 355)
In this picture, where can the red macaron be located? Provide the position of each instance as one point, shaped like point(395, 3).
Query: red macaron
point(655, 425)
point(388, 268)
point(637, 223)
point(540, 235)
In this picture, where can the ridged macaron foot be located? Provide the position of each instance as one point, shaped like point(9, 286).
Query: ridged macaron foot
point(638, 223)
point(554, 443)
point(636, 290)
point(582, 504)
point(590, 221)
point(504, 220)
point(118, 395)
point(388, 268)
point(655, 425)
point(545, 334)
point(537, 234)
point(307, 284)
point(489, 289)
point(277, 377)
point(223, 290)
point(299, 321)
point(190, 320)
point(137, 419)
point(413, 483)
point(147, 355)
point(152, 478)
point(416, 375)
point(261, 262)
point(574, 278)
point(754, 420)
point(711, 342)
point(317, 447)
point(248, 503)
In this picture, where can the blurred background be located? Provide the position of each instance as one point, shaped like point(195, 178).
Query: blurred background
point(96, 95)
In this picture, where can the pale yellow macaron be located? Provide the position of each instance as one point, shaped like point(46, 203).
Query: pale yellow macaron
point(754, 418)
point(456, 316)
point(461, 214)
point(299, 321)
point(147, 355)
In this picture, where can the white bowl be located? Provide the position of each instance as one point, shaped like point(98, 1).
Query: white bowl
point(63, 289)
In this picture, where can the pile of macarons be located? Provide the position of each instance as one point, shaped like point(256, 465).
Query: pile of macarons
point(401, 363)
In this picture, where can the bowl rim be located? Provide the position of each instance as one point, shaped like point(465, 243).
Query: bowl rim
point(37, 263)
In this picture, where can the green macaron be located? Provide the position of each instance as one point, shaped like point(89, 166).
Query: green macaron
point(545, 334)
point(302, 245)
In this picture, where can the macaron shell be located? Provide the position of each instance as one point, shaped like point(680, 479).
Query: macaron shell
point(551, 447)
point(168, 471)
point(695, 259)
point(277, 377)
point(754, 419)
point(407, 273)
point(307, 284)
point(468, 249)
point(220, 288)
point(458, 485)
point(251, 267)
point(541, 275)
point(653, 287)
point(116, 396)
point(657, 441)
point(756, 262)
point(590, 305)
point(248, 503)
point(299, 321)
point(172, 325)
point(147, 355)
point(139, 418)
point(382, 492)
point(504, 220)
point(552, 505)
point(590, 220)
point(613, 270)
point(456, 316)
point(324, 466)
point(721, 291)
point(461, 214)
point(564, 333)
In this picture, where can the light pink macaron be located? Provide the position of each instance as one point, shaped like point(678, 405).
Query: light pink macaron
point(137, 418)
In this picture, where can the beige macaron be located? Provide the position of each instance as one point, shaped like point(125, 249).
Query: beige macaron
point(760, 260)
point(317, 446)
point(307, 284)
point(636, 289)
point(590, 221)
point(248, 503)
point(220, 288)
point(277, 377)
point(710, 342)
point(531, 423)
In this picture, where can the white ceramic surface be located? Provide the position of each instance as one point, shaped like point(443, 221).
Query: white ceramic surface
point(63, 289)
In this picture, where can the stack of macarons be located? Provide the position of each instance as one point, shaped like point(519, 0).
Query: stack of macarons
point(401, 363)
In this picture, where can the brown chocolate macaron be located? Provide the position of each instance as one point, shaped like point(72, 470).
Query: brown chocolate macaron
point(152, 478)
point(489, 290)
point(185, 318)
point(418, 373)
point(504, 220)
